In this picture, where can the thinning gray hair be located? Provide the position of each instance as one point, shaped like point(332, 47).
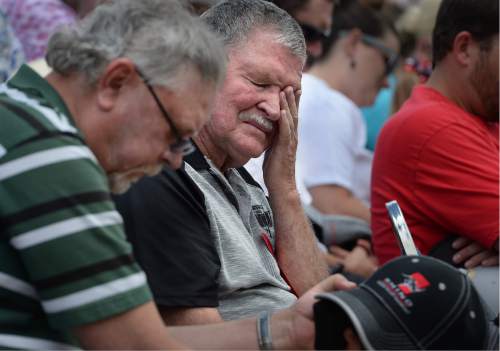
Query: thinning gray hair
point(234, 20)
point(159, 36)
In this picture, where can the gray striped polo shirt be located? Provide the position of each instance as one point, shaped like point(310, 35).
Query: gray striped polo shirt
point(240, 215)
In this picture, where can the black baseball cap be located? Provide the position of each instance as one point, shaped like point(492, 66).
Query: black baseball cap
point(410, 303)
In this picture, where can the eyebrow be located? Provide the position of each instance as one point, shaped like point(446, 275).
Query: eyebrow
point(270, 78)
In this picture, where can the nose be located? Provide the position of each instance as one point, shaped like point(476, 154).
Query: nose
point(270, 103)
point(172, 159)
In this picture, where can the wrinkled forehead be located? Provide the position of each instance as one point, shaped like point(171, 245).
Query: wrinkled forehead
point(264, 55)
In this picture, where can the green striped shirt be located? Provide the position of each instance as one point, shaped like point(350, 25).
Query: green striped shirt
point(64, 260)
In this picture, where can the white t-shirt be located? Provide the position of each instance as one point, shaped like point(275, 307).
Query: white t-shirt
point(332, 139)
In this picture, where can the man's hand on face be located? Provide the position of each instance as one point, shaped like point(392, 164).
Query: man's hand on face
point(301, 314)
point(279, 163)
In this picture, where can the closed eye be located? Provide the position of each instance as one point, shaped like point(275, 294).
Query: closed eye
point(260, 85)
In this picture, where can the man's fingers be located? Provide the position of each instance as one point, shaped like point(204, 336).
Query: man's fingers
point(491, 261)
point(359, 252)
point(473, 254)
point(333, 260)
point(298, 93)
point(287, 103)
point(334, 282)
point(468, 251)
point(338, 251)
point(460, 242)
point(292, 106)
point(286, 123)
point(477, 259)
point(365, 244)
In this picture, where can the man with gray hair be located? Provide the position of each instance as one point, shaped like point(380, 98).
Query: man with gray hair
point(212, 245)
point(67, 277)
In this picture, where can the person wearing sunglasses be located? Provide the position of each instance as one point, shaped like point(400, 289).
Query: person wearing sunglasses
point(333, 166)
point(315, 19)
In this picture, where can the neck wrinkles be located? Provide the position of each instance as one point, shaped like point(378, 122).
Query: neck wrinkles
point(218, 157)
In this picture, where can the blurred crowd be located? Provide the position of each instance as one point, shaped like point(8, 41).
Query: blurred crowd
point(189, 163)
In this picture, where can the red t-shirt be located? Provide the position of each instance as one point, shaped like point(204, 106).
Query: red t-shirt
point(441, 164)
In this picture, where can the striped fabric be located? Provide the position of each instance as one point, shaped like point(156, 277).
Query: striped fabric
point(64, 260)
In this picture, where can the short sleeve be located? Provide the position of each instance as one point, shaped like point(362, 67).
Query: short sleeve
point(457, 183)
point(166, 222)
point(65, 244)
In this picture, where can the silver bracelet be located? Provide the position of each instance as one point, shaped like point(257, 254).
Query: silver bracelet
point(264, 331)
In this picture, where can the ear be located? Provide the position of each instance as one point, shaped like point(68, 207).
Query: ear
point(117, 74)
point(351, 42)
point(464, 49)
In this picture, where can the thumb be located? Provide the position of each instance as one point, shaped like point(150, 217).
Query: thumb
point(332, 283)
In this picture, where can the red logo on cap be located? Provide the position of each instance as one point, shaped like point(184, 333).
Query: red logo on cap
point(413, 283)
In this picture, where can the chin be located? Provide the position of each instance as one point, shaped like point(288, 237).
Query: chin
point(247, 146)
point(120, 182)
point(119, 185)
point(255, 152)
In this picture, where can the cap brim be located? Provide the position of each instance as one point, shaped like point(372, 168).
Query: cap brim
point(375, 326)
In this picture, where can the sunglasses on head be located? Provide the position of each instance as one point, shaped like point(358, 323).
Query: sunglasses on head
point(312, 33)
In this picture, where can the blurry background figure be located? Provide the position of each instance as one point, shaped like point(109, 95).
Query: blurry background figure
point(315, 18)
point(333, 165)
point(11, 51)
point(376, 114)
point(414, 24)
point(400, 92)
point(33, 21)
point(418, 21)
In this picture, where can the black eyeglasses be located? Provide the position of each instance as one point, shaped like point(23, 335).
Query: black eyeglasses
point(312, 34)
point(390, 56)
point(180, 146)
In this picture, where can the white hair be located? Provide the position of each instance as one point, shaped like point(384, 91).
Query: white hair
point(234, 21)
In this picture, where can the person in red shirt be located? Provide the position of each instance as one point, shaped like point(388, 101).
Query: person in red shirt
point(438, 156)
